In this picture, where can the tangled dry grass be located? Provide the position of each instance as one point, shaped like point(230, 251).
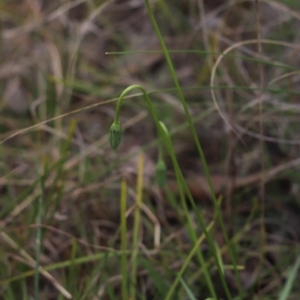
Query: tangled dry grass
point(63, 65)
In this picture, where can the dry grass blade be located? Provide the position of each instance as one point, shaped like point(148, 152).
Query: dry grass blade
point(31, 262)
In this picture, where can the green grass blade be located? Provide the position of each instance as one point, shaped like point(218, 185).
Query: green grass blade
point(292, 275)
point(124, 270)
point(187, 289)
point(158, 280)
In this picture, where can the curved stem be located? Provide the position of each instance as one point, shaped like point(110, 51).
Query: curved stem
point(183, 188)
point(150, 105)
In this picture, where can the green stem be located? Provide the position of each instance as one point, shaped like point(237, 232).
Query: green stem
point(38, 241)
point(137, 227)
point(124, 240)
point(187, 262)
point(183, 188)
point(198, 145)
point(125, 92)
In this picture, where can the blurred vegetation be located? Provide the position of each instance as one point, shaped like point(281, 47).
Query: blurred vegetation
point(80, 220)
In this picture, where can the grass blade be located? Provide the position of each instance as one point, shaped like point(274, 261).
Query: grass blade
point(290, 281)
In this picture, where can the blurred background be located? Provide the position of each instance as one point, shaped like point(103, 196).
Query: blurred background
point(63, 65)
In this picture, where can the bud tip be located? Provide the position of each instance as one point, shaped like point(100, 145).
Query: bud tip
point(115, 135)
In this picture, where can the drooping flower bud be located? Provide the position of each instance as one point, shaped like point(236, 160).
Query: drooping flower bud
point(115, 135)
point(161, 173)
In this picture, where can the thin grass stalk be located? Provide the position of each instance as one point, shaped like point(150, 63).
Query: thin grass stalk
point(183, 188)
point(191, 231)
point(188, 290)
point(123, 203)
point(137, 227)
point(72, 271)
point(187, 261)
point(197, 142)
point(63, 154)
point(38, 239)
point(291, 278)
point(234, 239)
point(263, 239)
point(67, 263)
point(56, 189)
point(193, 237)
